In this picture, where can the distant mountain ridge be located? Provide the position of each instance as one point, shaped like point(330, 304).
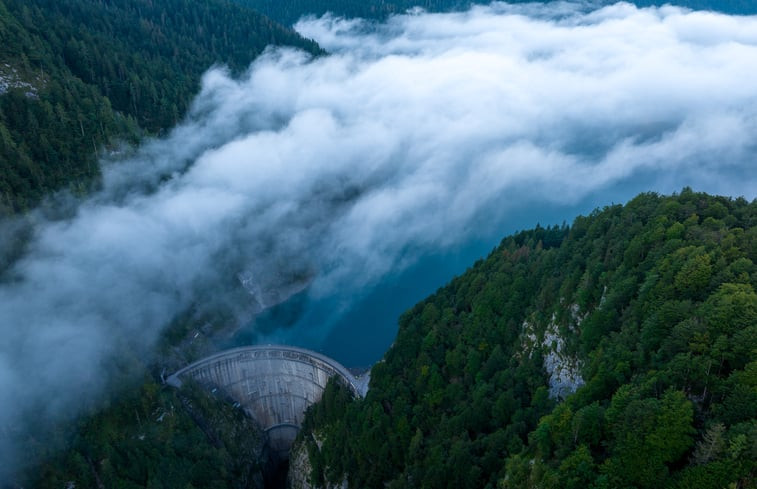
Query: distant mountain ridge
point(290, 11)
point(734, 7)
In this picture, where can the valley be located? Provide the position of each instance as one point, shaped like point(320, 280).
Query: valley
point(533, 222)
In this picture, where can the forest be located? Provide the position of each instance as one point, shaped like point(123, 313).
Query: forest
point(648, 309)
point(651, 306)
point(159, 438)
point(291, 11)
point(81, 80)
point(86, 77)
point(652, 303)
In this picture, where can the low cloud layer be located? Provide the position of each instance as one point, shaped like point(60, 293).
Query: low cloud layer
point(410, 137)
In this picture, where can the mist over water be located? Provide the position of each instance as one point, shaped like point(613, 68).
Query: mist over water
point(416, 143)
point(358, 333)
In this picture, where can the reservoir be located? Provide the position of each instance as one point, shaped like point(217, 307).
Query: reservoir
point(356, 329)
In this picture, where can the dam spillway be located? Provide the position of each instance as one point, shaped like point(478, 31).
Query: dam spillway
point(274, 384)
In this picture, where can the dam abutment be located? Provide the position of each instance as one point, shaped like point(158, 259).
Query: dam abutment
point(274, 384)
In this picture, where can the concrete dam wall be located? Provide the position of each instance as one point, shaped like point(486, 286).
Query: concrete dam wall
point(274, 384)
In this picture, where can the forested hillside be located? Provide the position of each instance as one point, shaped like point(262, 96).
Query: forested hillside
point(77, 76)
point(737, 7)
point(159, 437)
point(292, 10)
point(647, 311)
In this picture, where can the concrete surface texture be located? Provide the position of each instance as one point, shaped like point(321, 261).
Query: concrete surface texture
point(274, 384)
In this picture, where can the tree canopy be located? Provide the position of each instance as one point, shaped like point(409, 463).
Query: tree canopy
point(82, 75)
point(655, 304)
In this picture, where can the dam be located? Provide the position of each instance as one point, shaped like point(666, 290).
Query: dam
point(273, 384)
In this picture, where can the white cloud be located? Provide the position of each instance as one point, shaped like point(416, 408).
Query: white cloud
point(402, 139)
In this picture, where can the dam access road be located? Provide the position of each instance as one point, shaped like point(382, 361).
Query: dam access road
point(274, 384)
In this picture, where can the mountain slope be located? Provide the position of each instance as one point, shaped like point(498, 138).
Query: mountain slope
point(647, 311)
point(75, 76)
point(159, 437)
point(734, 7)
point(290, 11)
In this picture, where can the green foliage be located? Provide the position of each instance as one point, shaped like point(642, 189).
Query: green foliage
point(739, 7)
point(160, 437)
point(292, 10)
point(656, 299)
point(646, 434)
point(289, 12)
point(88, 73)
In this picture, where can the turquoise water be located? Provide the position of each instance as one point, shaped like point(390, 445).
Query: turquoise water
point(356, 329)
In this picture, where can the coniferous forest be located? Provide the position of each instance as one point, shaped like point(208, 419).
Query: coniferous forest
point(652, 305)
point(86, 75)
point(617, 351)
point(290, 11)
point(649, 308)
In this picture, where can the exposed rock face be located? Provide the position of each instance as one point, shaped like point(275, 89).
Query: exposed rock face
point(200, 334)
point(269, 290)
point(10, 79)
point(564, 370)
point(300, 469)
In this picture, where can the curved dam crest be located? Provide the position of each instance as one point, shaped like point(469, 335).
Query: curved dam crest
point(274, 384)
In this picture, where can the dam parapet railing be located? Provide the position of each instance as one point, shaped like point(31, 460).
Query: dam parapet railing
point(358, 385)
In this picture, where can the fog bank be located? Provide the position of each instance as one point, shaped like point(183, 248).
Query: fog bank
point(408, 139)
